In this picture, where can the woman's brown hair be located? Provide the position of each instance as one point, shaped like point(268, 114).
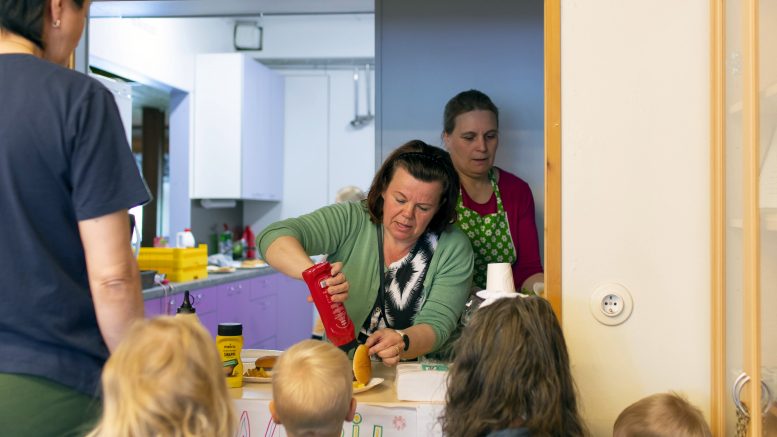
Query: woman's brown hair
point(425, 163)
point(463, 102)
point(25, 18)
point(511, 370)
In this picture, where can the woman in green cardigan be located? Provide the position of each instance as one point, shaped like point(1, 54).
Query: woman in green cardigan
point(402, 232)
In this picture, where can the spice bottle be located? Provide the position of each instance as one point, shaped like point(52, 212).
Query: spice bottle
point(338, 326)
point(229, 342)
point(186, 309)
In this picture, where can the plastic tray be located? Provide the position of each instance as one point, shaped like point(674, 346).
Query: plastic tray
point(179, 265)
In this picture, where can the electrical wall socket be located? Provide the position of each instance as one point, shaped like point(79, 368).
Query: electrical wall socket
point(611, 304)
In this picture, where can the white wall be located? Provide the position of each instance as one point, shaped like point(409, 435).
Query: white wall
point(314, 36)
point(635, 186)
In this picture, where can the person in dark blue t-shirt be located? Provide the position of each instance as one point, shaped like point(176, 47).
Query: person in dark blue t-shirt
point(70, 284)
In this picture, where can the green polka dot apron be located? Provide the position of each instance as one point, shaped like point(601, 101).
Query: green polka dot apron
point(489, 234)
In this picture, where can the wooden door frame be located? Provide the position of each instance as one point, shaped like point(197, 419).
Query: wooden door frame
point(751, 223)
point(718, 218)
point(552, 93)
point(751, 315)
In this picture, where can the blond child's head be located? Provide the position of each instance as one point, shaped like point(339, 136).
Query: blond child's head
point(312, 390)
point(165, 378)
point(661, 415)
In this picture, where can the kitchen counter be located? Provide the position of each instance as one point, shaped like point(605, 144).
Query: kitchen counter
point(212, 280)
point(378, 411)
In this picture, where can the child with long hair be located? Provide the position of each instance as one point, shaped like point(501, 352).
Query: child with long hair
point(166, 379)
point(510, 375)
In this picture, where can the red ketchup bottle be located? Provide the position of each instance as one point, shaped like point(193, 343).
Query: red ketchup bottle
point(339, 327)
point(250, 252)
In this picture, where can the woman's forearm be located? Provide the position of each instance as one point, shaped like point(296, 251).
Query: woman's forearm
point(422, 339)
point(114, 279)
point(287, 256)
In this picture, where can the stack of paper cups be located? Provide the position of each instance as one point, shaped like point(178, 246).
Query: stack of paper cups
point(500, 277)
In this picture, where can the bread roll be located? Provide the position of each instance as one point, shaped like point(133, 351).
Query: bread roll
point(266, 363)
point(362, 367)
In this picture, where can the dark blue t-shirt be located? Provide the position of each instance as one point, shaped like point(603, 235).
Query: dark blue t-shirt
point(64, 158)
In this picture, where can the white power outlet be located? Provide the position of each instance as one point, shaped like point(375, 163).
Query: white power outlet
point(611, 304)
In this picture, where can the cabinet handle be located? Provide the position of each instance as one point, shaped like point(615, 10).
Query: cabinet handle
point(170, 306)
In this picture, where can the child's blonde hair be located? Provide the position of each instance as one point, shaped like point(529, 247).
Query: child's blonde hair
point(165, 378)
point(312, 388)
point(661, 415)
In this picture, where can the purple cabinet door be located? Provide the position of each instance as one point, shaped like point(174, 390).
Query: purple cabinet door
point(154, 307)
point(231, 299)
point(295, 321)
point(261, 315)
point(163, 305)
point(206, 303)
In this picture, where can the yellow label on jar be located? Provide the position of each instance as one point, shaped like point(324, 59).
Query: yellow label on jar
point(229, 348)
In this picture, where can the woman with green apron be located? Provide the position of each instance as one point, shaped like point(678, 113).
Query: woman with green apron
point(495, 208)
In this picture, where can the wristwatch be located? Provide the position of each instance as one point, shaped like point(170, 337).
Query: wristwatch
point(405, 339)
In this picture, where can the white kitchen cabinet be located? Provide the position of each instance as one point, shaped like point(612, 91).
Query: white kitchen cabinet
point(238, 129)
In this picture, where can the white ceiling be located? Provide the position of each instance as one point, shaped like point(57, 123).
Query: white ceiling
point(221, 8)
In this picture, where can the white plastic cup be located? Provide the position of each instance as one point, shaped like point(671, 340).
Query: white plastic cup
point(499, 277)
point(184, 239)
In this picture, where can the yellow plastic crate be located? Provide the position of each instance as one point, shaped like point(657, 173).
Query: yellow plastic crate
point(179, 265)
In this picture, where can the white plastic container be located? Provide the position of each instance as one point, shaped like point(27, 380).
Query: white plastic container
point(184, 239)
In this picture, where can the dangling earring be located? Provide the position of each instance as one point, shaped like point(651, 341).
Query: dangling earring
point(56, 23)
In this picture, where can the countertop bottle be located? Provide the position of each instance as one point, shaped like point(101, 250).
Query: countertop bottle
point(250, 250)
point(338, 326)
point(229, 342)
point(225, 242)
point(186, 309)
point(185, 239)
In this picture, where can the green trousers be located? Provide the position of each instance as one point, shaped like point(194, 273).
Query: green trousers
point(37, 407)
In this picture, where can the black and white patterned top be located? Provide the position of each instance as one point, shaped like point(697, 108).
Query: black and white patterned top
point(404, 289)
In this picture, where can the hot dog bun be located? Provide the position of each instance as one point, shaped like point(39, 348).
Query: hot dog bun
point(266, 363)
point(362, 368)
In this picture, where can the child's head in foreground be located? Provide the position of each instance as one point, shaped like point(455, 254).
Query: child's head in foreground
point(312, 389)
point(166, 378)
point(661, 415)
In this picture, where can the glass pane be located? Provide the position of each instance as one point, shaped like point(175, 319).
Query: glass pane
point(734, 204)
point(768, 204)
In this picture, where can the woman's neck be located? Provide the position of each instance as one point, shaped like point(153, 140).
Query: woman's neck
point(478, 188)
point(12, 43)
point(394, 251)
